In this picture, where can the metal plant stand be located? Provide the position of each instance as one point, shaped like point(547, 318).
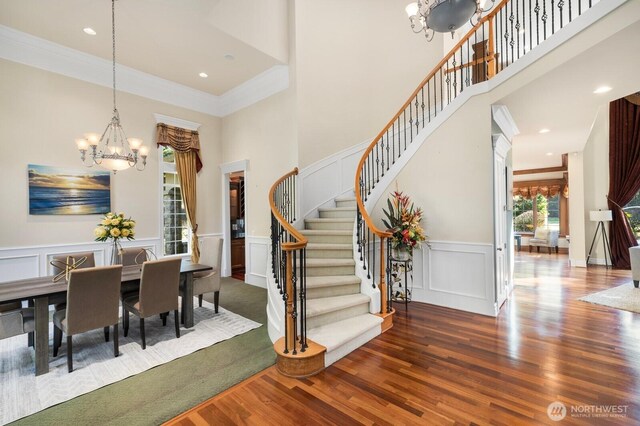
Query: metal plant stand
point(401, 290)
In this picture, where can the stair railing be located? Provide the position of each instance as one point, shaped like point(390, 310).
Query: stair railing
point(505, 34)
point(288, 261)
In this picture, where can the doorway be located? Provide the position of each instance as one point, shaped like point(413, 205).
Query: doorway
point(237, 224)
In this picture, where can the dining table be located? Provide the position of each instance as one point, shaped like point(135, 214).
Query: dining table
point(40, 289)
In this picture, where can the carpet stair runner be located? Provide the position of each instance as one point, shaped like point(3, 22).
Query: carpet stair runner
point(338, 315)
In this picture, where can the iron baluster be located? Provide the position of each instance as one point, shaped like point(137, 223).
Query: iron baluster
point(422, 106)
point(553, 19)
point(295, 299)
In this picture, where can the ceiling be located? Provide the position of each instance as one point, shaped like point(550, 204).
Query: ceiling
point(171, 39)
point(563, 100)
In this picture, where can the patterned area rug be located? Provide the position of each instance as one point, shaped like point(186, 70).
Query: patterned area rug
point(625, 297)
point(22, 393)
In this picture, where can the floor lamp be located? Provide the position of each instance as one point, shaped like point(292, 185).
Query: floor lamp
point(601, 216)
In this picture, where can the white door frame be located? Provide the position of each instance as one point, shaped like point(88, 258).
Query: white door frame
point(226, 169)
point(502, 241)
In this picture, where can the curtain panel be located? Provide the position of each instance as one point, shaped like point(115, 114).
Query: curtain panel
point(528, 192)
point(186, 146)
point(624, 175)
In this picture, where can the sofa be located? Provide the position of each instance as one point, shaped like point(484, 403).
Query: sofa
point(544, 237)
point(634, 254)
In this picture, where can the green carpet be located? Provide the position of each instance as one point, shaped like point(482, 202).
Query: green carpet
point(163, 392)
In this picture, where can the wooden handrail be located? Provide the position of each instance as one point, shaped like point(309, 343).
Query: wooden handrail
point(301, 241)
point(452, 52)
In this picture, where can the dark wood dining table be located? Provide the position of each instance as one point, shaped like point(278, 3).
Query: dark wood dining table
point(41, 288)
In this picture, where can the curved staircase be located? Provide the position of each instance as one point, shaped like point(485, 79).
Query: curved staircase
point(338, 315)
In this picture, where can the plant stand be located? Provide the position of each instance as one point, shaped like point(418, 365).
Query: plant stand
point(400, 291)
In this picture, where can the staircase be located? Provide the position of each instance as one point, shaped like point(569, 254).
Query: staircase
point(338, 315)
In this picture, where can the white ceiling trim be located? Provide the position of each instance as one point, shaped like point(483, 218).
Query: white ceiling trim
point(176, 122)
point(504, 120)
point(37, 52)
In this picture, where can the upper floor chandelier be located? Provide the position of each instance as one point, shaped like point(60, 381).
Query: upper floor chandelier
point(442, 16)
point(112, 150)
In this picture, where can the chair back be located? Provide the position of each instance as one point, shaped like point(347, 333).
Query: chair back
point(11, 321)
point(62, 258)
point(133, 256)
point(159, 286)
point(92, 298)
point(212, 252)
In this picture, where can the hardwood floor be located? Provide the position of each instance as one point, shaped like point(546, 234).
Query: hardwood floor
point(441, 366)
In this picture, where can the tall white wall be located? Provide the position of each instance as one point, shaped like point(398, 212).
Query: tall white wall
point(577, 212)
point(357, 62)
point(596, 180)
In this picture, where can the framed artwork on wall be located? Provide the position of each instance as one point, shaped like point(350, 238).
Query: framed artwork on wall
point(59, 191)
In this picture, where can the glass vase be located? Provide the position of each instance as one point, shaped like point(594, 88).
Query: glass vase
point(116, 258)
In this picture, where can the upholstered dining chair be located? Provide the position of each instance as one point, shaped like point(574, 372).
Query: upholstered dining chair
point(92, 302)
point(158, 294)
point(60, 260)
point(15, 320)
point(131, 256)
point(208, 281)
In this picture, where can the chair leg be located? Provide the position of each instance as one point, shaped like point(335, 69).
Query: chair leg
point(69, 354)
point(529, 248)
point(175, 319)
point(538, 248)
point(636, 283)
point(106, 334)
point(116, 344)
point(164, 318)
point(125, 321)
point(30, 339)
point(144, 342)
point(57, 340)
point(216, 300)
point(200, 300)
point(556, 249)
point(182, 311)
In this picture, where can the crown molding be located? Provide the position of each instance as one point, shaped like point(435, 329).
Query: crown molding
point(176, 122)
point(505, 121)
point(37, 52)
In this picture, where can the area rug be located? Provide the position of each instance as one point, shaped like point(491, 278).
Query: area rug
point(625, 297)
point(22, 393)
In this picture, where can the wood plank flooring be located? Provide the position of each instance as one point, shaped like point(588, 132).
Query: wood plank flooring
point(442, 366)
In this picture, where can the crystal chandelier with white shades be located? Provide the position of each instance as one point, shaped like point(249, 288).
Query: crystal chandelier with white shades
point(113, 150)
point(442, 16)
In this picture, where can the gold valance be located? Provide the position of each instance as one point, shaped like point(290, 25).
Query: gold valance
point(181, 140)
point(529, 192)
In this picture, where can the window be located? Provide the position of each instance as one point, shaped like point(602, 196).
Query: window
point(544, 211)
point(632, 210)
point(176, 234)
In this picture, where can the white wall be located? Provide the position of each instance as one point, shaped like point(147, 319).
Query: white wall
point(357, 62)
point(42, 114)
point(577, 212)
point(596, 180)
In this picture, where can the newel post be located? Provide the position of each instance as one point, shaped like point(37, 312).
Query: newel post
point(383, 281)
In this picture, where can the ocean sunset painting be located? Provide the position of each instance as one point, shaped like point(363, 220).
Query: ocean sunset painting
point(58, 191)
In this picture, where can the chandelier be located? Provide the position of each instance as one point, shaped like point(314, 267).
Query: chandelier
point(112, 150)
point(442, 16)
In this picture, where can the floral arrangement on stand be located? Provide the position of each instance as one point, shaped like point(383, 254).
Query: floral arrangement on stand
point(403, 220)
point(115, 226)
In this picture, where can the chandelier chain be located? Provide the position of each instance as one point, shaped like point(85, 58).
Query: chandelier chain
point(113, 39)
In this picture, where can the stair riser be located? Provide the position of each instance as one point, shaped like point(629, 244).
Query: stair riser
point(339, 290)
point(330, 239)
point(330, 254)
point(335, 316)
point(338, 214)
point(330, 226)
point(322, 271)
point(348, 203)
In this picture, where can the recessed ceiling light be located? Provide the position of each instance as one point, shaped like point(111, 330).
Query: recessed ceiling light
point(203, 75)
point(602, 89)
point(89, 31)
point(229, 57)
point(544, 131)
point(549, 154)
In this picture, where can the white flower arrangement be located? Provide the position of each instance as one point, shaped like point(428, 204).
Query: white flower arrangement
point(115, 226)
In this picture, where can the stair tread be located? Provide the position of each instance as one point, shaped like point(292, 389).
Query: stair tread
point(330, 219)
point(325, 305)
point(331, 280)
point(320, 262)
point(329, 246)
point(338, 333)
point(346, 198)
point(340, 209)
point(326, 232)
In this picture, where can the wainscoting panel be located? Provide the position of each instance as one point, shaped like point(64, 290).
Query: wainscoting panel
point(258, 255)
point(18, 267)
point(457, 275)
